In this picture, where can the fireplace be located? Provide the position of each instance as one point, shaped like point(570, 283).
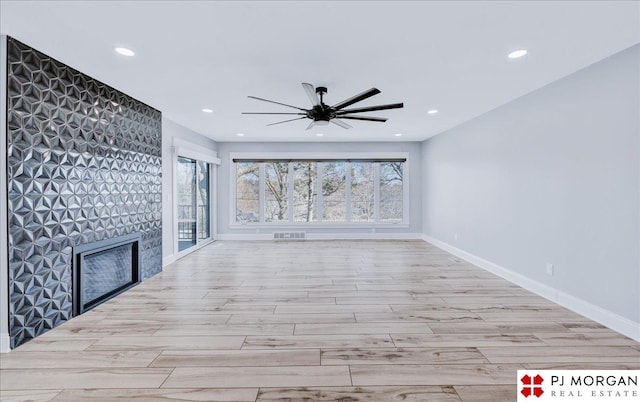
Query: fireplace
point(103, 269)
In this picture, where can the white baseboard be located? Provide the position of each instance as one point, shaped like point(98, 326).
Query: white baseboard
point(364, 236)
point(598, 314)
point(328, 236)
point(246, 237)
point(5, 341)
point(605, 317)
point(536, 287)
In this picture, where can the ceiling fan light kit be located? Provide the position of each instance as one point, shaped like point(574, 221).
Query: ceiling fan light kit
point(322, 114)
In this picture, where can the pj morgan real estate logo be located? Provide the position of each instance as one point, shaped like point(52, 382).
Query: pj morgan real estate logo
point(579, 385)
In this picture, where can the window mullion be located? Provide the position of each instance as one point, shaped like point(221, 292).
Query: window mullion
point(319, 197)
point(405, 192)
point(262, 189)
point(376, 192)
point(290, 192)
point(347, 191)
point(196, 189)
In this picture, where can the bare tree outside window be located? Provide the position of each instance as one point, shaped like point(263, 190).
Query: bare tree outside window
point(276, 188)
point(362, 192)
point(248, 192)
point(391, 192)
point(333, 191)
point(305, 197)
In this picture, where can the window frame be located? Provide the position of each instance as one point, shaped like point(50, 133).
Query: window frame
point(341, 156)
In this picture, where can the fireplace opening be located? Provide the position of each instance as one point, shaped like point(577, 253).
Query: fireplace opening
point(104, 269)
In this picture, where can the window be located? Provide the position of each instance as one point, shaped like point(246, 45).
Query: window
point(391, 208)
point(362, 203)
point(319, 191)
point(247, 192)
point(204, 206)
point(193, 197)
point(305, 191)
point(186, 176)
point(334, 191)
point(276, 189)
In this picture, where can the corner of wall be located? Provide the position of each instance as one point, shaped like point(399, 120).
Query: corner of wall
point(5, 341)
point(168, 259)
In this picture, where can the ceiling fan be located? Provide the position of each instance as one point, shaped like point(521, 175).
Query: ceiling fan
point(323, 114)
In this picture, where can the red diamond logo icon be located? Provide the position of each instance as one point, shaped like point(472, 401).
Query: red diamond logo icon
point(532, 385)
point(537, 380)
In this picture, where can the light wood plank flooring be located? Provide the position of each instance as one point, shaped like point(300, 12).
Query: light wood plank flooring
point(311, 321)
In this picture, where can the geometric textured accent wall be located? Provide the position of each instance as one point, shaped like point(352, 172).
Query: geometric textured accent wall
point(84, 164)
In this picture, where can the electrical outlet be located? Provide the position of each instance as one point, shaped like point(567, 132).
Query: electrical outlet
point(455, 236)
point(549, 269)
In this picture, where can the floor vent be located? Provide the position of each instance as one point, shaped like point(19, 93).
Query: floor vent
point(289, 235)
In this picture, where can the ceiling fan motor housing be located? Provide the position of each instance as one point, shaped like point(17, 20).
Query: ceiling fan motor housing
point(321, 112)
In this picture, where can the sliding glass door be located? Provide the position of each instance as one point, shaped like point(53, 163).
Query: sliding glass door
point(204, 204)
point(193, 198)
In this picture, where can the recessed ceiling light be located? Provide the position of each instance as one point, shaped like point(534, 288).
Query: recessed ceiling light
point(207, 110)
point(240, 134)
point(398, 135)
point(517, 53)
point(319, 135)
point(432, 111)
point(124, 51)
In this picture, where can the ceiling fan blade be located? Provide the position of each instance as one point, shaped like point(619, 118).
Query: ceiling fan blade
point(371, 108)
point(272, 113)
point(310, 126)
point(361, 96)
point(286, 121)
point(340, 123)
point(277, 103)
point(367, 118)
point(311, 93)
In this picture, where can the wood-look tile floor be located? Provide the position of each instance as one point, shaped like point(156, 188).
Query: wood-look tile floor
point(311, 321)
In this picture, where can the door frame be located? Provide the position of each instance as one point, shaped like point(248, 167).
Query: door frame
point(187, 150)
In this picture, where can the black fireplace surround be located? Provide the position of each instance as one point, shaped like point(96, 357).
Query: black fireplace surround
point(104, 269)
point(84, 165)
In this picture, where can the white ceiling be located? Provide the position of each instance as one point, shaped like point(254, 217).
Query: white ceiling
point(445, 55)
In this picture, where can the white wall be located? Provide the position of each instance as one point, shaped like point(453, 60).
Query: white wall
point(415, 211)
point(552, 177)
point(172, 133)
